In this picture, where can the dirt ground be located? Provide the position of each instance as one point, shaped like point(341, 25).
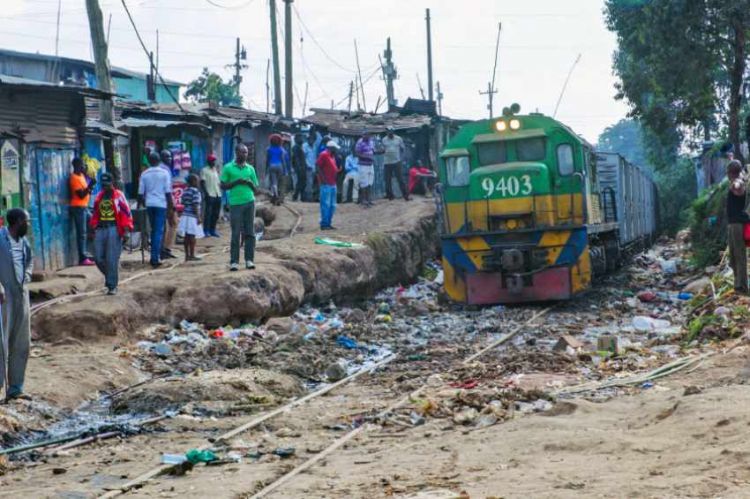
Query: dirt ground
point(499, 426)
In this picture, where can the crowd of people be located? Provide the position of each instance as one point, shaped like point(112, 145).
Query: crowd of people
point(313, 168)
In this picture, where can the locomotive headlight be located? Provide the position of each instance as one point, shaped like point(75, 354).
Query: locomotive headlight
point(501, 126)
point(515, 124)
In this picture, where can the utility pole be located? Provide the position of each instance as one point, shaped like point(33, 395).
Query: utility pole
point(390, 74)
point(439, 99)
point(351, 91)
point(151, 80)
point(359, 71)
point(289, 96)
point(275, 55)
point(421, 90)
point(268, 86)
point(57, 30)
point(489, 93)
point(429, 56)
point(491, 90)
point(565, 85)
point(103, 78)
point(240, 54)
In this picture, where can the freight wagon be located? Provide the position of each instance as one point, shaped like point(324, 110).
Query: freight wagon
point(530, 212)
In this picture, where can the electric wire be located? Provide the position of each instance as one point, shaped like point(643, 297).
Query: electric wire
point(148, 54)
point(315, 41)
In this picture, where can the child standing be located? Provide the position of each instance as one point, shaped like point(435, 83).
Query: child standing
point(190, 224)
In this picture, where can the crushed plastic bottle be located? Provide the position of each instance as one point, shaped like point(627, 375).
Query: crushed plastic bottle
point(649, 324)
point(173, 458)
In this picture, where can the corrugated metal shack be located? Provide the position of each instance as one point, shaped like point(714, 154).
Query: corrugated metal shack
point(195, 130)
point(419, 132)
point(42, 128)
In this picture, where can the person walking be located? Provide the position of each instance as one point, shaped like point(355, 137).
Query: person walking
point(299, 164)
point(111, 220)
point(365, 152)
point(277, 164)
point(394, 148)
point(212, 191)
point(80, 195)
point(190, 223)
point(351, 180)
point(310, 148)
point(238, 178)
point(737, 217)
point(15, 275)
point(170, 225)
point(327, 173)
point(155, 193)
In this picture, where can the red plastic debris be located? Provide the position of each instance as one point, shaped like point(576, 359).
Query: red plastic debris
point(466, 385)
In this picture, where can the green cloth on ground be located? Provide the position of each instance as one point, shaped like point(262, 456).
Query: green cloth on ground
point(239, 194)
point(338, 244)
point(195, 456)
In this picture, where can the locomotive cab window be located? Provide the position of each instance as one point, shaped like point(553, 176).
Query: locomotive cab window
point(565, 163)
point(457, 171)
point(531, 149)
point(492, 153)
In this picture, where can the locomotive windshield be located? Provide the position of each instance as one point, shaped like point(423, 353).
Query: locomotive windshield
point(530, 149)
point(492, 153)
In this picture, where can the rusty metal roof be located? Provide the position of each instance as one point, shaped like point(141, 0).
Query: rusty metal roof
point(37, 85)
point(345, 123)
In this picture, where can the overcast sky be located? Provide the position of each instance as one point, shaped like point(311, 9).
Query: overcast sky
point(539, 42)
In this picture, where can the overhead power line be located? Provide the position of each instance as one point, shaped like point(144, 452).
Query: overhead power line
point(315, 41)
point(230, 7)
point(148, 54)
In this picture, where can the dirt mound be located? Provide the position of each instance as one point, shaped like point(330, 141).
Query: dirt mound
point(250, 386)
point(290, 272)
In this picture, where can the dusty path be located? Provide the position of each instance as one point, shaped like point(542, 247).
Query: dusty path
point(683, 437)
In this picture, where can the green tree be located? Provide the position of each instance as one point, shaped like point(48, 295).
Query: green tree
point(209, 87)
point(681, 63)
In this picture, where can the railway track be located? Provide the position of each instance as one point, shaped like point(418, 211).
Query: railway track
point(288, 410)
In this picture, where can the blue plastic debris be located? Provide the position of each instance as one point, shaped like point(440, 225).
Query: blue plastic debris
point(347, 342)
point(647, 384)
point(685, 296)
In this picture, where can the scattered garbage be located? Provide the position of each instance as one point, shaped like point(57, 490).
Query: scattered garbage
point(646, 324)
point(568, 344)
point(195, 456)
point(338, 244)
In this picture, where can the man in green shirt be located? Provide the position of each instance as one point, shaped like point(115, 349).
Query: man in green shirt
point(239, 180)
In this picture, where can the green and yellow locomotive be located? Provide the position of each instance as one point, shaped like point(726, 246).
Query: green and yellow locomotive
point(523, 215)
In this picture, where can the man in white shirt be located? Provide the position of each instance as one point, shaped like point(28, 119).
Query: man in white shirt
point(212, 192)
point(170, 227)
point(393, 156)
point(15, 327)
point(155, 193)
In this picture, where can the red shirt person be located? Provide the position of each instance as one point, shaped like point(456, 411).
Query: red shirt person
point(110, 221)
point(328, 171)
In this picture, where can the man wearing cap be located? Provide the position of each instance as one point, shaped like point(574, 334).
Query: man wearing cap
point(110, 221)
point(212, 193)
point(155, 193)
point(328, 171)
point(394, 150)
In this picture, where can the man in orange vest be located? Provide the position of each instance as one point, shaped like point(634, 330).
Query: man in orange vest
point(80, 194)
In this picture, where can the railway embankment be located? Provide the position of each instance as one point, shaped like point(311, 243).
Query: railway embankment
point(384, 246)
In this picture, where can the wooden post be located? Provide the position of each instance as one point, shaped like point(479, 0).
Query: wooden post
point(289, 94)
point(275, 56)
